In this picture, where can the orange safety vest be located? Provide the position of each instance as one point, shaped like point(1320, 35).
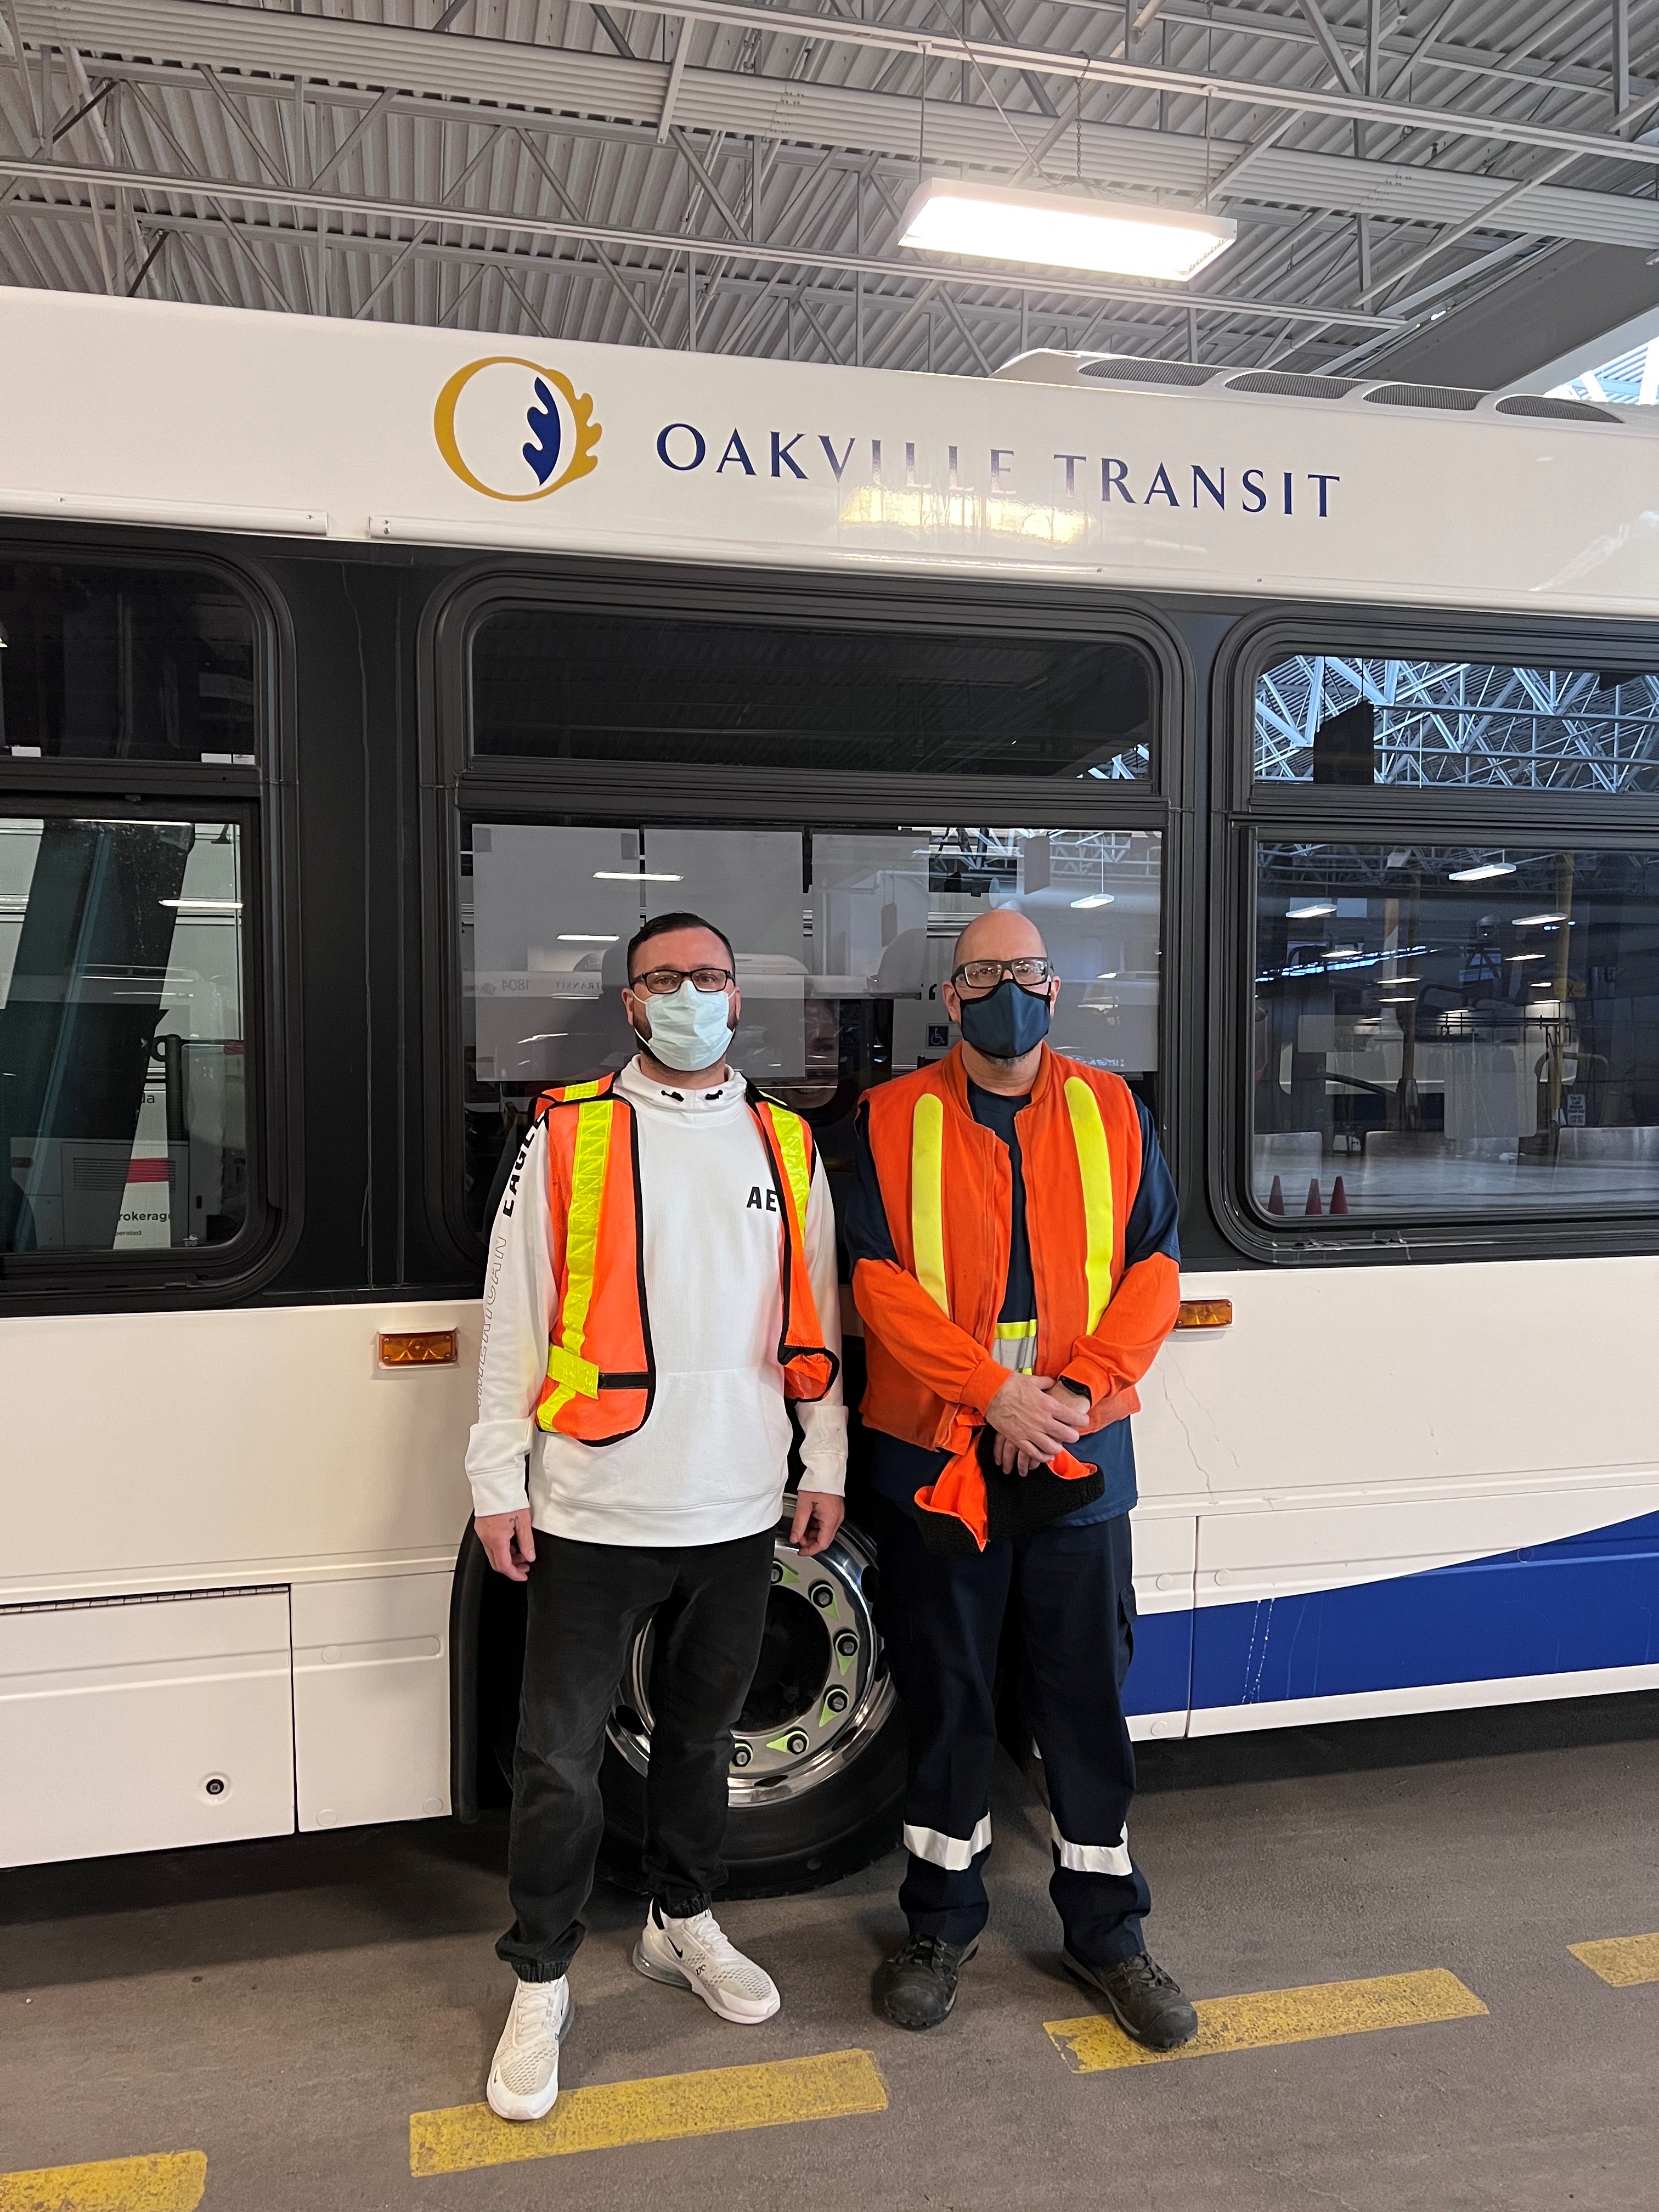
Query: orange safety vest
point(947, 1189)
point(601, 1371)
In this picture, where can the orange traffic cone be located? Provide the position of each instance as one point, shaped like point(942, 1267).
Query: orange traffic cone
point(1339, 1198)
point(1313, 1205)
point(1275, 1198)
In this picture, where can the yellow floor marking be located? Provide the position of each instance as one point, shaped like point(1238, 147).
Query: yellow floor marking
point(1269, 2016)
point(1623, 1961)
point(167, 2181)
point(718, 2102)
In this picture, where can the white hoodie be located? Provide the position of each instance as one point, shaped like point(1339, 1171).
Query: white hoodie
point(709, 1463)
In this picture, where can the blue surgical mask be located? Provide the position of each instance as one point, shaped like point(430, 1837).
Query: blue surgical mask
point(689, 1028)
point(1005, 1023)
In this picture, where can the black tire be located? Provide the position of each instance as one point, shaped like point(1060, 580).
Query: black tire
point(817, 1818)
point(777, 1850)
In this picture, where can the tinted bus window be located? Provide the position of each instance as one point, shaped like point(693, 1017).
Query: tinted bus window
point(1442, 1031)
point(122, 1099)
point(842, 935)
point(114, 664)
point(1342, 719)
point(552, 684)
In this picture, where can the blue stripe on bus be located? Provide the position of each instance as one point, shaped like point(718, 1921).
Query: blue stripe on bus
point(1586, 1601)
point(1160, 1679)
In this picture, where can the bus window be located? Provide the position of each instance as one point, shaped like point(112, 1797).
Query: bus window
point(843, 934)
point(1463, 724)
point(106, 664)
point(1447, 1031)
point(564, 683)
point(122, 1099)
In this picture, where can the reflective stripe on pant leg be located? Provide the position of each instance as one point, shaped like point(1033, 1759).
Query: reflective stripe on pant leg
point(954, 1853)
point(1089, 1858)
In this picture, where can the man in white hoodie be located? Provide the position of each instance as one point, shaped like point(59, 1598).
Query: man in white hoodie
point(661, 1281)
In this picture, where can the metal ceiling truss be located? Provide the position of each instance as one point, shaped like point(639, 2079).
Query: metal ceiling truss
point(1467, 725)
point(731, 176)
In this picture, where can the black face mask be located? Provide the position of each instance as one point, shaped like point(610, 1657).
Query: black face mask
point(1005, 1023)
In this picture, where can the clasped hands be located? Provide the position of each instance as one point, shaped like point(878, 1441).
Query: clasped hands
point(1034, 1417)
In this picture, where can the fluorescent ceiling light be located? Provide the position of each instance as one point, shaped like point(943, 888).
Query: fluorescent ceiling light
point(1310, 913)
point(1094, 899)
point(1536, 921)
point(1397, 1002)
point(632, 875)
point(1480, 875)
point(1515, 958)
point(204, 906)
point(1107, 976)
point(578, 937)
point(996, 222)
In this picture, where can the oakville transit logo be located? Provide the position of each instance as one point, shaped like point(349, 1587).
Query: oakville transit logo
point(515, 430)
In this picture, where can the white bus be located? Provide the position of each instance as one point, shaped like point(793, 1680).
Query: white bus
point(362, 688)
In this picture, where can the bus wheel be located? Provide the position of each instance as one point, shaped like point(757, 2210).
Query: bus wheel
point(819, 1755)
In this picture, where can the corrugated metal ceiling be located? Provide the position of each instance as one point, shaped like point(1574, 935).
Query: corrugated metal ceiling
point(732, 175)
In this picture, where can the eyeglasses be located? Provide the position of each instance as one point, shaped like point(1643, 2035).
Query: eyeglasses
point(985, 974)
point(657, 981)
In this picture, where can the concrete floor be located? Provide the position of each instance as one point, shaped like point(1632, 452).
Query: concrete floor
point(285, 2006)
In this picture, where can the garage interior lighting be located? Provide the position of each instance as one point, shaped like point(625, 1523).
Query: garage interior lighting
point(1478, 875)
point(1094, 899)
point(1537, 921)
point(204, 906)
point(1313, 913)
point(578, 937)
point(1515, 958)
point(632, 875)
point(993, 222)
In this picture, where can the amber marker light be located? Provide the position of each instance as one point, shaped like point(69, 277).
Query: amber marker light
point(1204, 1313)
point(417, 1347)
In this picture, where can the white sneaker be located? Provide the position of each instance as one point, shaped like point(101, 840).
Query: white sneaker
point(697, 1954)
point(523, 2074)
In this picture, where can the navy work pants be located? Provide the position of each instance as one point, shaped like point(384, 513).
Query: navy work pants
point(1072, 1603)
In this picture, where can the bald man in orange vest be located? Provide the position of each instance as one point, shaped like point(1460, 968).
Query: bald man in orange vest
point(1013, 1230)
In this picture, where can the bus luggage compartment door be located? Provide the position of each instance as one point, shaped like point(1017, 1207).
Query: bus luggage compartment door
point(139, 1724)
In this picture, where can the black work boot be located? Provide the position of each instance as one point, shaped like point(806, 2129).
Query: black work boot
point(919, 1982)
point(1146, 2001)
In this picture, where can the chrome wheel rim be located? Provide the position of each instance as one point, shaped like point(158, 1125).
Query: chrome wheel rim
point(821, 1690)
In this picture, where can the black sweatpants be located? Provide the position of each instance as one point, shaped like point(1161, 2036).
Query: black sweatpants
point(586, 1604)
point(1073, 1603)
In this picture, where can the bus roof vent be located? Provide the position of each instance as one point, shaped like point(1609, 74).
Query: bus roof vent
point(1446, 397)
point(1279, 384)
point(1186, 372)
point(1555, 410)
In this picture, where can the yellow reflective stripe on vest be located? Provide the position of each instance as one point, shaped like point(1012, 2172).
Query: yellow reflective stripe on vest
point(576, 1376)
point(790, 1131)
point(1094, 1161)
point(928, 1197)
point(575, 1091)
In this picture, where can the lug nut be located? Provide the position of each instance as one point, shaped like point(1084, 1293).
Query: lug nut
point(836, 1701)
point(795, 1744)
point(741, 1754)
point(848, 1644)
point(823, 1596)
